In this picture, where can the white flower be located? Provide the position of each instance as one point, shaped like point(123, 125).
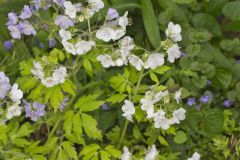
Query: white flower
point(106, 60)
point(148, 106)
point(128, 109)
point(160, 95)
point(154, 60)
point(13, 111)
point(59, 75)
point(152, 153)
point(96, 5)
point(70, 9)
point(4, 85)
point(106, 34)
point(16, 94)
point(179, 115)
point(84, 47)
point(160, 121)
point(49, 82)
point(65, 35)
point(173, 32)
point(119, 33)
point(69, 47)
point(126, 45)
point(136, 62)
point(126, 154)
point(173, 53)
point(37, 70)
point(195, 156)
point(178, 95)
point(123, 21)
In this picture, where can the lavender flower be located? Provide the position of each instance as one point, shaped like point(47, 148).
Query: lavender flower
point(105, 107)
point(205, 99)
point(59, 2)
point(34, 111)
point(238, 61)
point(63, 104)
point(45, 4)
point(14, 31)
point(198, 107)
point(191, 101)
point(227, 103)
point(26, 28)
point(26, 13)
point(52, 42)
point(78, 6)
point(8, 45)
point(209, 82)
point(112, 14)
point(12, 18)
point(64, 22)
point(4, 85)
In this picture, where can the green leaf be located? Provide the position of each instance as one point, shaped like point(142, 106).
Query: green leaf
point(154, 77)
point(116, 98)
point(88, 103)
point(105, 155)
point(208, 123)
point(68, 87)
point(161, 69)
point(68, 122)
point(90, 149)
point(183, 1)
point(180, 137)
point(113, 151)
point(204, 20)
point(231, 10)
point(150, 23)
point(222, 78)
point(70, 150)
point(88, 67)
point(90, 126)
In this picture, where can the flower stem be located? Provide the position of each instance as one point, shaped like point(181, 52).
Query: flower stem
point(126, 121)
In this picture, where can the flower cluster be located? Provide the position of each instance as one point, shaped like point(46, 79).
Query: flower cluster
point(19, 24)
point(34, 110)
point(151, 153)
point(147, 104)
point(10, 97)
point(122, 55)
point(57, 77)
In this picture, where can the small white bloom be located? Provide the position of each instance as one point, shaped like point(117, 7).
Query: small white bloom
point(160, 121)
point(96, 5)
point(126, 154)
point(120, 61)
point(49, 82)
point(173, 32)
point(84, 47)
point(152, 153)
point(16, 94)
point(69, 47)
point(154, 60)
point(178, 95)
point(65, 35)
point(173, 53)
point(195, 156)
point(126, 45)
point(128, 109)
point(119, 33)
point(106, 60)
point(13, 111)
point(148, 106)
point(70, 9)
point(37, 70)
point(136, 62)
point(158, 96)
point(59, 75)
point(179, 115)
point(123, 21)
point(106, 34)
